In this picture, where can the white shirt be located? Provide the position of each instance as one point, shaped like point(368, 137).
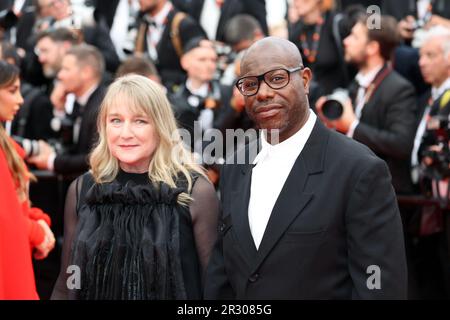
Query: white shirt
point(155, 32)
point(272, 167)
point(364, 80)
point(123, 18)
point(209, 18)
point(422, 8)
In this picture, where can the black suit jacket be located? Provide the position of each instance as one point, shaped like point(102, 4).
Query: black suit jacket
point(231, 8)
point(76, 160)
point(105, 11)
point(335, 216)
point(387, 126)
point(168, 63)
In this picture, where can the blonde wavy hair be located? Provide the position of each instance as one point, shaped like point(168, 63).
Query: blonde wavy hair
point(19, 172)
point(170, 159)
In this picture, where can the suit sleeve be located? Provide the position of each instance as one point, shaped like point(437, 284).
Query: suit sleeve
point(217, 285)
point(376, 253)
point(397, 137)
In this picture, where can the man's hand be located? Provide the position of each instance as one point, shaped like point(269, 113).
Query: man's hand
point(438, 20)
point(41, 160)
point(58, 96)
point(405, 27)
point(344, 122)
point(43, 249)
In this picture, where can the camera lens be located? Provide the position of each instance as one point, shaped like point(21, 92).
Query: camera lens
point(332, 109)
point(334, 105)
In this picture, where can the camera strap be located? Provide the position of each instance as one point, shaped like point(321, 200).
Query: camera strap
point(384, 72)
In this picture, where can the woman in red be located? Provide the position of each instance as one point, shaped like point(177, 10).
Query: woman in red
point(23, 229)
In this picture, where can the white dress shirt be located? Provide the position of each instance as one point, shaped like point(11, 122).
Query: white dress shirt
point(272, 167)
point(209, 18)
point(364, 81)
point(123, 18)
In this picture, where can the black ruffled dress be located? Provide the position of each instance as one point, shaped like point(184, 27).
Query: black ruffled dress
point(133, 241)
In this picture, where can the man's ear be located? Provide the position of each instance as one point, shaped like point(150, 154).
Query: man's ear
point(185, 61)
point(373, 48)
point(306, 76)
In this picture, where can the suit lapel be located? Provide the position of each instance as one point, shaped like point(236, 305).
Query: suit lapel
point(239, 209)
point(292, 200)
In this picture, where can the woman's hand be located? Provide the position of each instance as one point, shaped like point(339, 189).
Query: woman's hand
point(43, 249)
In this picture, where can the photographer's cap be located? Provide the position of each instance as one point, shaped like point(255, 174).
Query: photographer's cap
point(196, 42)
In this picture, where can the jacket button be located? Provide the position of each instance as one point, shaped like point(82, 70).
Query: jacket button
point(253, 278)
point(222, 227)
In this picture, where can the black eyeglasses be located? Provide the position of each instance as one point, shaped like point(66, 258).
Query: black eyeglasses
point(275, 79)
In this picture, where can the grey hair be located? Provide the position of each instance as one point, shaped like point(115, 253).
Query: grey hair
point(439, 32)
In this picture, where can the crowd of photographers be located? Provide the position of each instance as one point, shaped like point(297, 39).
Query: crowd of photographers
point(381, 80)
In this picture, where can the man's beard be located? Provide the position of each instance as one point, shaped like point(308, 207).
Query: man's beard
point(359, 62)
point(49, 72)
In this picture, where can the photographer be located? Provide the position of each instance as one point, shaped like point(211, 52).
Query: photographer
point(417, 14)
point(199, 101)
point(81, 74)
point(382, 112)
point(240, 33)
point(430, 165)
point(60, 14)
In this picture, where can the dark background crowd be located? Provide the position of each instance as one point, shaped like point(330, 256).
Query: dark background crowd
point(398, 80)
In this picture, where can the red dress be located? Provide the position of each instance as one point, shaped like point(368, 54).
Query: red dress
point(19, 233)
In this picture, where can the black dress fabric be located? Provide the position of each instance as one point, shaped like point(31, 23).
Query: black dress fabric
point(133, 241)
point(329, 69)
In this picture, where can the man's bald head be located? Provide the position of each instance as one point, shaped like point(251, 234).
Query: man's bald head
point(273, 61)
point(272, 48)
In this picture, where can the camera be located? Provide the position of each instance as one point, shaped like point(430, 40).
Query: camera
point(435, 147)
point(333, 107)
point(31, 147)
point(420, 23)
point(7, 19)
point(225, 55)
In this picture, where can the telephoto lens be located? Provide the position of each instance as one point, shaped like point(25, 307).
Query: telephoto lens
point(333, 107)
point(31, 147)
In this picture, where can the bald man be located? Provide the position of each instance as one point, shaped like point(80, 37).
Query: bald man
point(314, 214)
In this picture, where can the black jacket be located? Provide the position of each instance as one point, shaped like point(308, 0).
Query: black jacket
point(168, 63)
point(387, 126)
point(335, 217)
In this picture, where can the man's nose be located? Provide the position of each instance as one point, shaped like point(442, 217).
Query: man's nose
point(265, 92)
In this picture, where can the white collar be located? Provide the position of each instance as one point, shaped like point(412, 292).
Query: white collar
point(161, 16)
point(437, 92)
point(365, 80)
point(85, 97)
point(290, 147)
point(202, 91)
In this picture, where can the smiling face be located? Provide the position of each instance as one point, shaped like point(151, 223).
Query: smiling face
point(131, 136)
point(10, 101)
point(284, 109)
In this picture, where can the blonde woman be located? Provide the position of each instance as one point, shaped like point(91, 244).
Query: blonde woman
point(142, 222)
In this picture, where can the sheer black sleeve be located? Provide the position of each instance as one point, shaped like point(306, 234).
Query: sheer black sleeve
point(204, 211)
point(60, 291)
